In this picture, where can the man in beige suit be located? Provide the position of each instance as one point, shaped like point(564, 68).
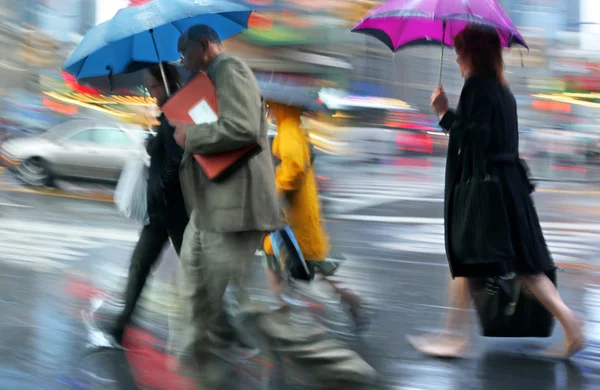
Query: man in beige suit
point(228, 222)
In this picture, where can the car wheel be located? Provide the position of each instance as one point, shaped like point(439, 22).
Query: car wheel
point(34, 172)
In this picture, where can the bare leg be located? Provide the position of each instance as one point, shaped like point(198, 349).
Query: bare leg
point(547, 294)
point(458, 300)
point(454, 340)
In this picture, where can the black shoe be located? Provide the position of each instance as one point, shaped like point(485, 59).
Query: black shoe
point(115, 338)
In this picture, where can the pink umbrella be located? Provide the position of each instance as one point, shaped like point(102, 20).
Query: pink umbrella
point(399, 23)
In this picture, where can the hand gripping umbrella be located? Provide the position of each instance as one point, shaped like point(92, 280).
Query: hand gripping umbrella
point(401, 23)
point(139, 37)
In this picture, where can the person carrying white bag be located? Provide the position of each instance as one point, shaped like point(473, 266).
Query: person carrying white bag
point(151, 195)
point(131, 193)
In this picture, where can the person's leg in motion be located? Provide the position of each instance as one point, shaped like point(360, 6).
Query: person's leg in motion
point(360, 315)
point(210, 262)
point(176, 231)
point(332, 363)
point(547, 294)
point(274, 275)
point(144, 257)
point(454, 338)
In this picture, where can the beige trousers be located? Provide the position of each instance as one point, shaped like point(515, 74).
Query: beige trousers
point(212, 261)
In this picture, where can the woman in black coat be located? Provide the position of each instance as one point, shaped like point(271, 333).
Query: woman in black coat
point(485, 124)
point(166, 209)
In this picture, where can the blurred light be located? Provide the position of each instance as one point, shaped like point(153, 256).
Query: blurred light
point(569, 169)
point(325, 140)
point(260, 22)
point(63, 109)
point(551, 106)
point(72, 84)
point(339, 114)
point(135, 3)
point(586, 95)
point(350, 101)
point(263, 3)
point(566, 99)
point(109, 100)
point(414, 142)
point(9, 67)
point(107, 110)
point(10, 161)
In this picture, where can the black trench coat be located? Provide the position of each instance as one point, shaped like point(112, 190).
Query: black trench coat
point(165, 198)
point(486, 117)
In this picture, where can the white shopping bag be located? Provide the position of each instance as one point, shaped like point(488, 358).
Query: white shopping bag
point(131, 192)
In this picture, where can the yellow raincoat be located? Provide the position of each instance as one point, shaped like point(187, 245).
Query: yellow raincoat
point(296, 175)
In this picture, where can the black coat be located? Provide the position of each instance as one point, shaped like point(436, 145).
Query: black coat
point(165, 198)
point(486, 120)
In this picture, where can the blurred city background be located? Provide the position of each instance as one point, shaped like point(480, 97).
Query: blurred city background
point(297, 46)
point(380, 168)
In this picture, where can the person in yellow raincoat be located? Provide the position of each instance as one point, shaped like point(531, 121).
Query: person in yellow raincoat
point(296, 185)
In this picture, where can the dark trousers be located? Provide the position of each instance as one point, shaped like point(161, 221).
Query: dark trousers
point(152, 240)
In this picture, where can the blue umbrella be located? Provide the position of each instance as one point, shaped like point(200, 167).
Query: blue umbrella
point(142, 36)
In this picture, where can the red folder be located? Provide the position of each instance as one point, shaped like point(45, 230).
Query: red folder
point(217, 167)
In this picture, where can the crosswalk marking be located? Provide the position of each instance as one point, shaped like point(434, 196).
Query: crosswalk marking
point(587, 227)
point(53, 246)
point(59, 231)
point(567, 246)
point(345, 197)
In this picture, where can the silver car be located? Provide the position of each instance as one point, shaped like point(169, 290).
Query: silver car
point(78, 149)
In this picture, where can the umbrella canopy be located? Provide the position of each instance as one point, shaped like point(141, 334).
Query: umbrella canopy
point(126, 83)
point(399, 23)
point(145, 35)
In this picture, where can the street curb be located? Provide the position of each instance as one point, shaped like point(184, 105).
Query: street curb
point(82, 195)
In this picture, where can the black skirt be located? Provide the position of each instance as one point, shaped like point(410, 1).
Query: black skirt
point(532, 254)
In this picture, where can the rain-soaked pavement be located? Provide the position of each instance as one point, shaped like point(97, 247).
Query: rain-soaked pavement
point(58, 256)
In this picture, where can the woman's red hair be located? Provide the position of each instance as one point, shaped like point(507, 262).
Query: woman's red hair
point(482, 48)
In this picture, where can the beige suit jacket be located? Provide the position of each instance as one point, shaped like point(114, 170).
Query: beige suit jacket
point(246, 201)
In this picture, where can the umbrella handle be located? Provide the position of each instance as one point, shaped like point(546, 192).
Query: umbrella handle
point(442, 55)
point(110, 78)
point(160, 65)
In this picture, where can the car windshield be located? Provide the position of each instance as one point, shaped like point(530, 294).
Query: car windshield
point(63, 130)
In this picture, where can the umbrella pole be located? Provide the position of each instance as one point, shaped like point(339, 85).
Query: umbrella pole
point(160, 65)
point(442, 55)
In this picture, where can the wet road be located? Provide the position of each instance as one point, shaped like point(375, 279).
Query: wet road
point(58, 254)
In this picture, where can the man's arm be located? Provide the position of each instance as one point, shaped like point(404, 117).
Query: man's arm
point(239, 101)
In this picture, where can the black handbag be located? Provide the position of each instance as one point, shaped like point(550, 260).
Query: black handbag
point(480, 235)
point(506, 309)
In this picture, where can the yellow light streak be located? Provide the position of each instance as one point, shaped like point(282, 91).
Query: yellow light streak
point(566, 99)
point(104, 109)
point(580, 95)
point(113, 99)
